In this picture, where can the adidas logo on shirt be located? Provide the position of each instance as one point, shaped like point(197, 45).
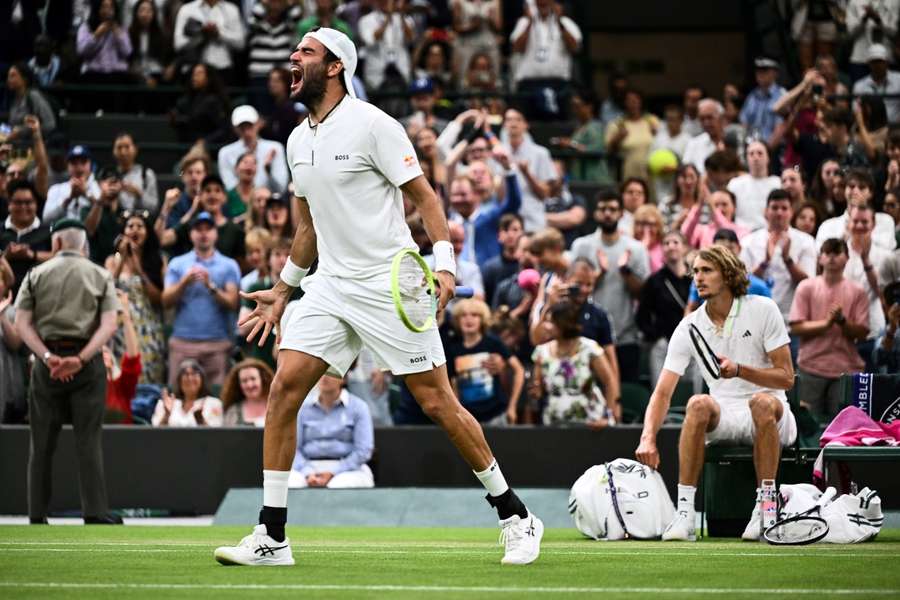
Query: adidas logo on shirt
point(747, 333)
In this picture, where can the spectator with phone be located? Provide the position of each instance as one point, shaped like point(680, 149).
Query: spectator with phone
point(190, 404)
point(103, 220)
point(566, 372)
point(138, 269)
point(211, 32)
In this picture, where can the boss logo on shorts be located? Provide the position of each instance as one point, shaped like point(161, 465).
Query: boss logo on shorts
point(417, 359)
point(341, 157)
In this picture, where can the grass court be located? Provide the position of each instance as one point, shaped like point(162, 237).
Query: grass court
point(137, 562)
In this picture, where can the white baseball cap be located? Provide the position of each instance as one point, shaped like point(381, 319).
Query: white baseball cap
point(342, 47)
point(244, 114)
point(878, 52)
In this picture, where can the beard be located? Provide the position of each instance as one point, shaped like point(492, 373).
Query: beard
point(312, 87)
point(607, 227)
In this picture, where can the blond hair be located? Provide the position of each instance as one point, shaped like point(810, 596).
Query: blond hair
point(473, 305)
point(733, 271)
point(258, 237)
point(547, 239)
point(649, 212)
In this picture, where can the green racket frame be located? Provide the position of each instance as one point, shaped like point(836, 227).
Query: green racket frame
point(395, 289)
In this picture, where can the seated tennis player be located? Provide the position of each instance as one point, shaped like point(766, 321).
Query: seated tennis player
point(742, 347)
point(349, 162)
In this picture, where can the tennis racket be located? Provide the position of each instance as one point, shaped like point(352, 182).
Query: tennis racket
point(414, 291)
point(807, 527)
point(705, 352)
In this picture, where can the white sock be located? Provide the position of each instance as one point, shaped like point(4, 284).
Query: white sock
point(493, 480)
point(275, 488)
point(686, 498)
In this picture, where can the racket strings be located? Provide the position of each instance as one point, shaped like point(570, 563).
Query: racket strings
point(414, 291)
point(805, 529)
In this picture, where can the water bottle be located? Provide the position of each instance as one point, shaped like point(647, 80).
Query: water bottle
point(768, 505)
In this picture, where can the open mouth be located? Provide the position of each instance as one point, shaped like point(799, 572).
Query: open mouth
point(296, 78)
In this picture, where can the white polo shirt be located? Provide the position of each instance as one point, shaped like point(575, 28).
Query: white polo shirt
point(546, 54)
point(754, 327)
point(751, 194)
point(802, 252)
point(349, 169)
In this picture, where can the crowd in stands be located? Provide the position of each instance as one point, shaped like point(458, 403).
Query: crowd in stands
point(576, 296)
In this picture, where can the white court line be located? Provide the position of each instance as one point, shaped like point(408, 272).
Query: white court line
point(441, 588)
point(473, 551)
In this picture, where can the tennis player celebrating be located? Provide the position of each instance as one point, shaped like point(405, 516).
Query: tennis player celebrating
point(349, 162)
point(741, 345)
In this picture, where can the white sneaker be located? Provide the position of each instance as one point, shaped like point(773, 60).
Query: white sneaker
point(257, 549)
point(752, 531)
point(681, 528)
point(522, 539)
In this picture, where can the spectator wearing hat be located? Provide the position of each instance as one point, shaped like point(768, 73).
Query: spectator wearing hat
point(422, 99)
point(68, 198)
point(209, 31)
point(881, 81)
point(65, 313)
point(230, 236)
point(103, 220)
point(757, 115)
point(270, 158)
point(386, 32)
point(869, 23)
point(24, 240)
point(202, 287)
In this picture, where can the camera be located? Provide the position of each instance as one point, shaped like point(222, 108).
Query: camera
point(818, 89)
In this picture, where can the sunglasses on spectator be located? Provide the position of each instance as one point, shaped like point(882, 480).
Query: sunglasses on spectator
point(143, 214)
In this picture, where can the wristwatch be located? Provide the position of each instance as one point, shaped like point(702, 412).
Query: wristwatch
point(46, 356)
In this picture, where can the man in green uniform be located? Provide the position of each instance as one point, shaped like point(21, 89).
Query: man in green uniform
point(65, 312)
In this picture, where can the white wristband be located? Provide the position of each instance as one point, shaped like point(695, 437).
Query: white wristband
point(291, 274)
point(443, 257)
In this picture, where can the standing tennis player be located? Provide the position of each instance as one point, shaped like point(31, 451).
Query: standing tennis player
point(742, 347)
point(349, 162)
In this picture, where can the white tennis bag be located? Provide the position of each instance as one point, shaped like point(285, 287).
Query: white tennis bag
point(619, 500)
point(851, 518)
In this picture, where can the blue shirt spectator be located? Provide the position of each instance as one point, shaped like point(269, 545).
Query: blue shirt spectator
point(757, 115)
point(342, 431)
point(479, 220)
point(758, 287)
point(198, 316)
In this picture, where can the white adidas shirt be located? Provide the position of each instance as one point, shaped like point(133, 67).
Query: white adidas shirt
point(754, 327)
point(349, 168)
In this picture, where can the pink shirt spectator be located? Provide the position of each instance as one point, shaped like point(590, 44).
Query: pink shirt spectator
point(701, 236)
point(657, 260)
point(831, 354)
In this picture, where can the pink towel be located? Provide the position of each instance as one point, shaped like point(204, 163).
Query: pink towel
point(853, 427)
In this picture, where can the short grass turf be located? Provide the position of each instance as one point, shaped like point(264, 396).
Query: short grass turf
point(135, 562)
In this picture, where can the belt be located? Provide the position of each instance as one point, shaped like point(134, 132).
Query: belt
point(64, 346)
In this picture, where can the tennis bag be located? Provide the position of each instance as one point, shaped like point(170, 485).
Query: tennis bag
point(850, 518)
point(621, 499)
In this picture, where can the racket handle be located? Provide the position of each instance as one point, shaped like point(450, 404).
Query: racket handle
point(463, 291)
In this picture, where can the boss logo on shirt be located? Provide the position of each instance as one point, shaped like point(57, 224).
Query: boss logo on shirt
point(341, 157)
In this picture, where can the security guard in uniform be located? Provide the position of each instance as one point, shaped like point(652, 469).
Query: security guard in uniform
point(65, 312)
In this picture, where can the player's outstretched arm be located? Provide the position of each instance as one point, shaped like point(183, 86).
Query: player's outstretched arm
point(647, 452)
point(270, 304)
point(420, 193)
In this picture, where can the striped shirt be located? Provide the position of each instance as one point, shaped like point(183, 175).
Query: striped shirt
point(271, 45)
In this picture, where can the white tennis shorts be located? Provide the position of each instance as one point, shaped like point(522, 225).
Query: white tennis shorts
point(336, 317)
point(736, 424)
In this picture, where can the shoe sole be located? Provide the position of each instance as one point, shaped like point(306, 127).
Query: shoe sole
point(537, 553)
point(228, 561)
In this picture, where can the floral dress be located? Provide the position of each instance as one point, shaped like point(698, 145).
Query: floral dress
point(573, 395)
point(148, 324)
